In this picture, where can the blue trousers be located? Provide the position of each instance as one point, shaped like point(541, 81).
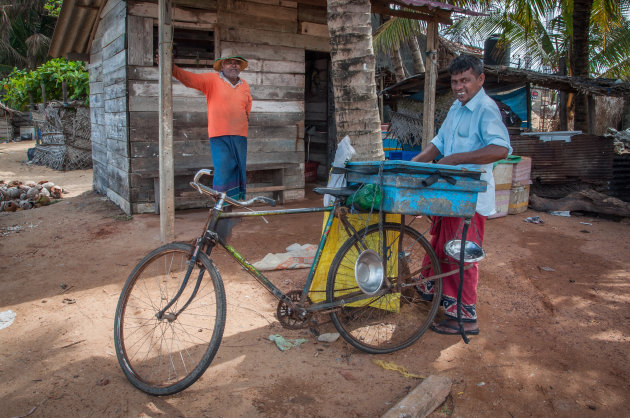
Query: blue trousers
point(229, 157)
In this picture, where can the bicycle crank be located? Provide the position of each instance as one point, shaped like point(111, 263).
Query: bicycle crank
point(289, 317)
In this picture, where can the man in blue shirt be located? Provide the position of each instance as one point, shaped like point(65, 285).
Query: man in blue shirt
point(472, 136)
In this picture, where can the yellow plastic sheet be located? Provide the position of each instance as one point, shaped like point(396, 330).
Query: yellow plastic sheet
point(336, 237)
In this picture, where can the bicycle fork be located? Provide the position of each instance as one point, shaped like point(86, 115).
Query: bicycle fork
point(199, 244)
point(171, 316)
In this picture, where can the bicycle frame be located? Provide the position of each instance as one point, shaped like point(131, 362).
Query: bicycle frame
point(210, 238)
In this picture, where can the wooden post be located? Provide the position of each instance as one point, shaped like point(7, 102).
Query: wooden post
point(381, 101)
point(590, 101)
point(528, 91)
point(167, 179)
point(43, 86)
point(430, 79)
point(64, 92)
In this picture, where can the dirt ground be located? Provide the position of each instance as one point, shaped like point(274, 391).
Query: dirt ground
point(554, 308)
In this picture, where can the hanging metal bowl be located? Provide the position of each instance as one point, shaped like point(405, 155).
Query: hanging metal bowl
point(472, 251)
point(368, 272)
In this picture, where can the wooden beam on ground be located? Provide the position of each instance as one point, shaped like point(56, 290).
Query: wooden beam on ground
point(167, 178)
point(423, 400)
point(430, 79)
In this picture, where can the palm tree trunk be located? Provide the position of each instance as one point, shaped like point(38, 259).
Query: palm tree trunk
point(416, 54)
point(579, 57)
point(399, 67)
point(352, 59)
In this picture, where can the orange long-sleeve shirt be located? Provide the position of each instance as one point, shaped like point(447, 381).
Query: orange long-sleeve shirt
point(228, 106)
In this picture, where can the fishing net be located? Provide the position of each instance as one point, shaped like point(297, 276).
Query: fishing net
point(65, 143)
point(406, 122)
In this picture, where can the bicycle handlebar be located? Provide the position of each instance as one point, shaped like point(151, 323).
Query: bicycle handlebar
point(217, 195)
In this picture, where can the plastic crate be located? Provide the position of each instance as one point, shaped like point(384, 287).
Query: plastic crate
point(390, 145)
point(521, 175)
point(402, 155)
point(501, 203)
point(502, 174)
point(519, 199)
point(407, 187)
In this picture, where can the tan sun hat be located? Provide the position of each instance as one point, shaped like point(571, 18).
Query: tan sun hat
point(217, 63)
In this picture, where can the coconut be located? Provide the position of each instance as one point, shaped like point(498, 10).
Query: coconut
point(44, 191)
point(23, 196)
point(30, 183)
point(10, 206)
point(25, 204)
point(13, 192)
point(43, 200)
point(32, 193)
point(48, 185)
point(56, 192)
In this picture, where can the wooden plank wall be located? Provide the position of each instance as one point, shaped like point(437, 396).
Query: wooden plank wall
point(6, 128)
point(273, 35)
point(108, 105)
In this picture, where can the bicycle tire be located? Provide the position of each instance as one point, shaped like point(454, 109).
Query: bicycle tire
point(398, 318)
point(163, 357)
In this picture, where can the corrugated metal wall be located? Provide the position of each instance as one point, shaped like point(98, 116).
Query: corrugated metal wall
point(586, 159)
point(620, 186)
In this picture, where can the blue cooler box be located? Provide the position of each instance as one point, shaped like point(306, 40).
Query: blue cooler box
point(412, 188)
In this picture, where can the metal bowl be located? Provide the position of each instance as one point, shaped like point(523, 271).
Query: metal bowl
point(368, 272)
point(472, 251)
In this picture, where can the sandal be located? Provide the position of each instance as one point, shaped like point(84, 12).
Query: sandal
point(451, 329)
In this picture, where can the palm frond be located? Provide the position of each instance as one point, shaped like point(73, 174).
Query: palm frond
point(394, 32)
point(609, 54)
point(37, 51)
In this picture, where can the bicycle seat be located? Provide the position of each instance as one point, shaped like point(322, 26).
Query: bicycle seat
point(336, 191)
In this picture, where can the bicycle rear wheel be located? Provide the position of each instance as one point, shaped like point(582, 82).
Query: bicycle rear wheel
point(398, 318)
point(162, 357)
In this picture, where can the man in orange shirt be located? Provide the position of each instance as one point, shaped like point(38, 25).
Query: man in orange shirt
point(229, 105)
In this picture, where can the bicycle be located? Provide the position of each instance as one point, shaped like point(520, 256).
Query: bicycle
point(170, 317)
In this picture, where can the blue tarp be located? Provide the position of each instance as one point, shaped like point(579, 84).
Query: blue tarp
point(517, 100)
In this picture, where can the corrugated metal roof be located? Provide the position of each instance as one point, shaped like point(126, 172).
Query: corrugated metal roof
point(440, 6)
point(74, 27)
point(77, 19)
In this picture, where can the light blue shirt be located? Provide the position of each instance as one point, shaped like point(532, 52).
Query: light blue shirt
point(470, 127)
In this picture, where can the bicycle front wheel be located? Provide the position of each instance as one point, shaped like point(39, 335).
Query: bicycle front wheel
point(165, 356)
point(399, 317)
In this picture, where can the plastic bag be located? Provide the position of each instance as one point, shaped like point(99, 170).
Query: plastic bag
point(297, 257)
point(344, 153)
point(368, 197)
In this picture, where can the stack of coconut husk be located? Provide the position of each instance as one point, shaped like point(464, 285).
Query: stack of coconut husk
point(16, 195)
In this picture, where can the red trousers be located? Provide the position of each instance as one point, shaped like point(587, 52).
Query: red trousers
point(443, 230)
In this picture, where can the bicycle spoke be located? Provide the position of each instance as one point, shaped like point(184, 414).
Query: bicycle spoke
point(393, 320)
point(163, 356)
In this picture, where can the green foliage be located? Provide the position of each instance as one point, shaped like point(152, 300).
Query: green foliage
point(53, 7)
point(52, 74)
point(25, 36)
point(543, 31)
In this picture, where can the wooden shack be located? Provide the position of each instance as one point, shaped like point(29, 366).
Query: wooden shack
point(283, 42)
point(6, 127)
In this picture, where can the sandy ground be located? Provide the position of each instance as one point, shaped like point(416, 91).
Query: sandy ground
point(553, 304)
